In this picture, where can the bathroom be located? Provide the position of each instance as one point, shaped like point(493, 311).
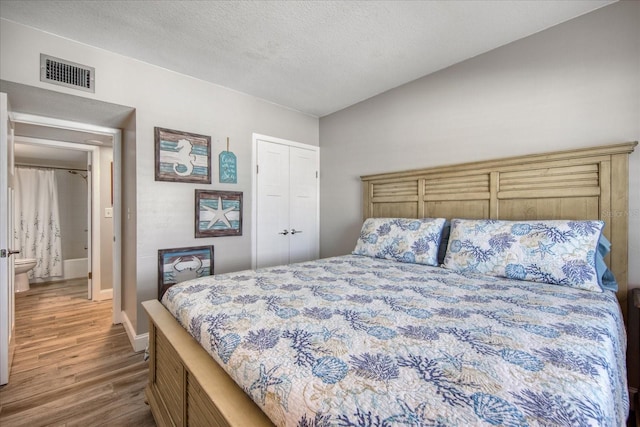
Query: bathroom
point(65, 255)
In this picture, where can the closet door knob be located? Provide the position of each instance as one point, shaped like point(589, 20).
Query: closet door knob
point(294, 231)
point(284, 232)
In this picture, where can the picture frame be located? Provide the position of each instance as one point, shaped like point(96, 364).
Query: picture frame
point(182, 156)
point(218, 213)
point(180, 264)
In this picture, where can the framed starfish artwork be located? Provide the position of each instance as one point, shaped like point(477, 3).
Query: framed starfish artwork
point(218, 213)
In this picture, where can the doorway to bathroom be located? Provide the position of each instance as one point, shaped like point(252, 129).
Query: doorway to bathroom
point(63, 247)
point(27, 105)
point(82, 156)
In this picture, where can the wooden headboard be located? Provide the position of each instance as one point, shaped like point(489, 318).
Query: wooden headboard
point(590, 183)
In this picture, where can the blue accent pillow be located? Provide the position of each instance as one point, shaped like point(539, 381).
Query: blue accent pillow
point(401, 239)
point(606, 280)
point(557, 252)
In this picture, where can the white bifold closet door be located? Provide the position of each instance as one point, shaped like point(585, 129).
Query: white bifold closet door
point(287, 204)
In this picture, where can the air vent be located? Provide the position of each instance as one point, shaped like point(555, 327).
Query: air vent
point(66, 73)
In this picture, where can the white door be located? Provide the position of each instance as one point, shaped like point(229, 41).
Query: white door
point(303, 204)
point(286, 203)
point(272, 238)
point(7, 295)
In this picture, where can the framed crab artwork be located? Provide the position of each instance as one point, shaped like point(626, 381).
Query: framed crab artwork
point(179, 264)
point(182, 156)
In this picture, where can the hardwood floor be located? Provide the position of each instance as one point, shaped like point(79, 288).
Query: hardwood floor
point(71, 366)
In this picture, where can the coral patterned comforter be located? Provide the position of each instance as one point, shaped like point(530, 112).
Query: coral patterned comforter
point(359, 341)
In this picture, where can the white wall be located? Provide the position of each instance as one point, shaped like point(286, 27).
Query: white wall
point(72, 202)
point(163, 213)
point(574, 85)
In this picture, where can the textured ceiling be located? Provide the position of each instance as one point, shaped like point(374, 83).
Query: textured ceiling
point(313, 56)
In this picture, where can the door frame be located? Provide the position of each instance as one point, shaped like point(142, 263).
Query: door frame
point(93, 236)
point(254, 185)
point(116, 136)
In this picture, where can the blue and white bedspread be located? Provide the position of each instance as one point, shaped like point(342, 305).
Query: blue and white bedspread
point(358, 341)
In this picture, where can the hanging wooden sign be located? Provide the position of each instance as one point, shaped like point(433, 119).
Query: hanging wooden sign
point(228, 167)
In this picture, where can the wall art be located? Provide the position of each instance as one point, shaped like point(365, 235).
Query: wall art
point(228, 166)
point(182, 156)
point(218, 213)
point(180, 264)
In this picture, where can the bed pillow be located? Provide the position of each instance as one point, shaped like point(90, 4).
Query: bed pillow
point(557, 252)
point(605, 277)
point(401, 239)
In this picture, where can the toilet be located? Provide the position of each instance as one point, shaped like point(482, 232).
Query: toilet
point(22, 267)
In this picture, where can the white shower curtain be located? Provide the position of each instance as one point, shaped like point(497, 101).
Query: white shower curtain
point(37, 228)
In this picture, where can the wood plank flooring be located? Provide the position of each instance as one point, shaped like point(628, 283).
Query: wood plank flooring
point(71, 366)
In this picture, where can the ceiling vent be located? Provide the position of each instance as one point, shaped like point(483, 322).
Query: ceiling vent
point(66, 73)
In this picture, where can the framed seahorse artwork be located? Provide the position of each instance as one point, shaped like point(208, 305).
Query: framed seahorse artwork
point(182, 156)
point(179, 264)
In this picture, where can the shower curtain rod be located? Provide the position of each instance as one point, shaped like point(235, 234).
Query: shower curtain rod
point(49, 167)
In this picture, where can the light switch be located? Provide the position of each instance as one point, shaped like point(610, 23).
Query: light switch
point(108, 212)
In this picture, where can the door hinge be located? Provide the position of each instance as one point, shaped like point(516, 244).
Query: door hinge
point(316, 174)
point(89, 168)
point(256, 169)
point(3, 253)
point(89, 275)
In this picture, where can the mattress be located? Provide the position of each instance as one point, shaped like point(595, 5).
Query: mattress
point(360, 341)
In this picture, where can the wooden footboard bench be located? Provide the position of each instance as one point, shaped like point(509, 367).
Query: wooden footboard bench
point(185, 381)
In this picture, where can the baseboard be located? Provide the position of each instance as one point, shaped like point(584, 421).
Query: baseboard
point(105, 294)
point(138, 342)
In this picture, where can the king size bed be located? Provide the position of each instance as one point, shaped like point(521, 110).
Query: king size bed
point(509, 320)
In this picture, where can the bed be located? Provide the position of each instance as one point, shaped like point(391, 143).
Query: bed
point(374, 342)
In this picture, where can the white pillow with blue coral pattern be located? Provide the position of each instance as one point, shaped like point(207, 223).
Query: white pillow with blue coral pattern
point(401, 239)
point(558, 252)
